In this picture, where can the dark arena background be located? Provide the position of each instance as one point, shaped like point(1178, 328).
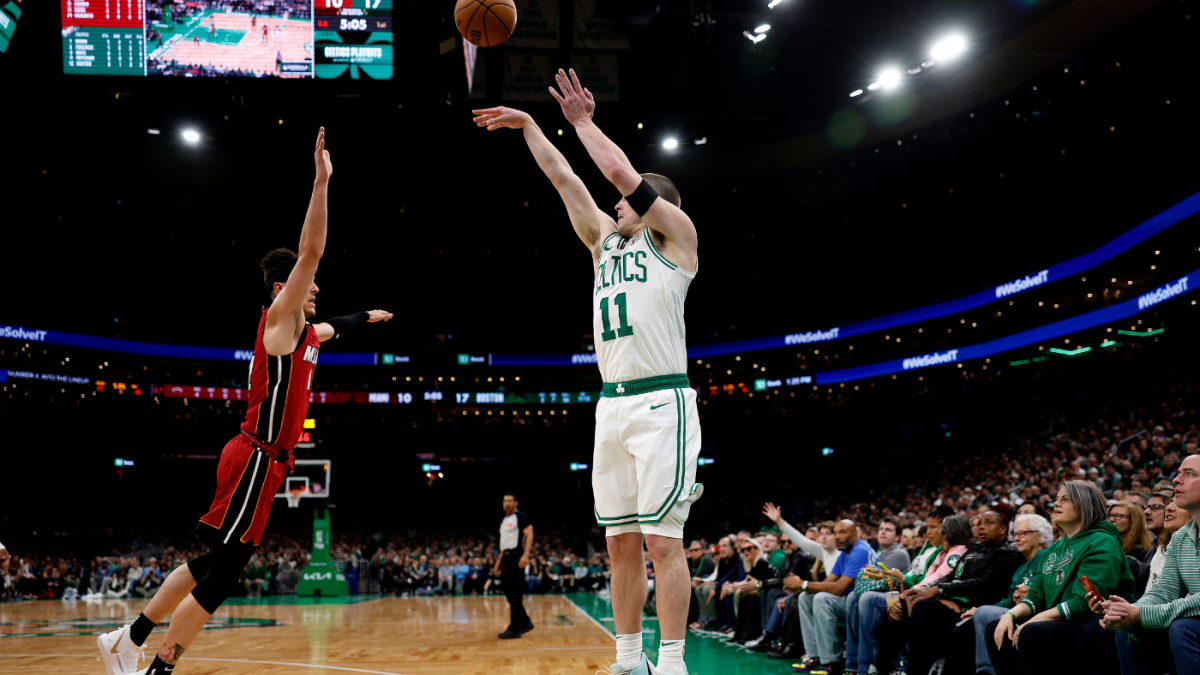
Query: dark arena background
point(947, 251)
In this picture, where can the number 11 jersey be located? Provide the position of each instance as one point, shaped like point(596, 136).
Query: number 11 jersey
point(637, 310)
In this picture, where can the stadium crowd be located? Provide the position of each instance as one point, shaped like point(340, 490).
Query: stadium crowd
point(411, 564)
point(1072, 551)
point(1058, 556)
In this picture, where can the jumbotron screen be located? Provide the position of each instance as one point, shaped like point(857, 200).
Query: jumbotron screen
point(325, 39)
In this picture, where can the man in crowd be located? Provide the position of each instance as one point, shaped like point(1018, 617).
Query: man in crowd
point(891, 552)
point(256, 578)
point(823, 605)
point(769, 542)
point(1155, 513)
point(1169, 614)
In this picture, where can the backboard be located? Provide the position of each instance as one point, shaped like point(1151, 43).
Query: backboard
point(311, 474)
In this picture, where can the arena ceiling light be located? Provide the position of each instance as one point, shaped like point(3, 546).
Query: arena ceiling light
point(754, 38)
point(762, 29)
point(670, 144)
point(772, 3)
point(191, 136)
point(889, 78)
point(856, 92)
point(948, 48)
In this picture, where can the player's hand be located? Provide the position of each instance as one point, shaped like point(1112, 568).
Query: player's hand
point(378, 315)
point(500, 117)
point(4, 557)
point(324, 167)
point(577, 103)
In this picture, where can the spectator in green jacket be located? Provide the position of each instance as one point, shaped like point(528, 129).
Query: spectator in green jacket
point(1053, 613)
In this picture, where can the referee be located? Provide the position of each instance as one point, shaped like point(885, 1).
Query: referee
point(516, 541)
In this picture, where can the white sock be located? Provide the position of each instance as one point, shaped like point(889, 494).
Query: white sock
point(670, 658)
point(629, 650)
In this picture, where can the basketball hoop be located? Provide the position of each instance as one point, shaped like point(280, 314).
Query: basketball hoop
point(294, 496)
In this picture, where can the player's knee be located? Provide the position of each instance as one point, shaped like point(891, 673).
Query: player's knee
point(215, 588)
point(224, 571)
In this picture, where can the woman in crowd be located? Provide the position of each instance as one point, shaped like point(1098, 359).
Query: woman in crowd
point(982, 576)
point(746, 592)
point(1131, 524)
point(949, 543)
point(1053, 613)
point(1173, 521)
point(1032, 535)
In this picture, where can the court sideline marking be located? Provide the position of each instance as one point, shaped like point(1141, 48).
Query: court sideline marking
point(591, 618)
point(196, 658)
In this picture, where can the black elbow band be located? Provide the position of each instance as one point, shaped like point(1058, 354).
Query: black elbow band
point(345, 324)
point(642, 198)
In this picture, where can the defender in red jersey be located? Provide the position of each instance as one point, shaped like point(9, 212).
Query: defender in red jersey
point(254, 463)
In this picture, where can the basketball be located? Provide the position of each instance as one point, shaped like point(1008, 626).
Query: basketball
point(485, 23)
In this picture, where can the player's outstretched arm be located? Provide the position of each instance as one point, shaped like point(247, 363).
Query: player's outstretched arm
point(341, 325)
point(590, 223)
point(285, 318)
point(662, 217)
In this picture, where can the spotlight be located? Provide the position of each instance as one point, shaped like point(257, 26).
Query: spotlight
point(856, 92)
point(948, 48)
point(873, 86)
point(754, 38)
point(772, 3)
point(670, 144)
point(889, 78)
point(701, 141)
point(153, 132)
point(763, 28)
point(191, 136)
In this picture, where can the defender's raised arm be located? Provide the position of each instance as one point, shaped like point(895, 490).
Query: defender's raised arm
point(285, 318)
point(590, 223)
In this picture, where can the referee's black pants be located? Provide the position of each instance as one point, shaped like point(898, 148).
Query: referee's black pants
point(512, 577)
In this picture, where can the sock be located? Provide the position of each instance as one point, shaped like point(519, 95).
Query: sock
point(160, 667)
point(670, 658)
point(629, 650)
point(140, 630)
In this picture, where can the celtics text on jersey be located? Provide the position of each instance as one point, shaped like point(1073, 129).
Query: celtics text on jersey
point(637, 310)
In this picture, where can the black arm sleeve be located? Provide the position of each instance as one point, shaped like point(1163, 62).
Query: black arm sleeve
point(345, 324)
point(642, 198)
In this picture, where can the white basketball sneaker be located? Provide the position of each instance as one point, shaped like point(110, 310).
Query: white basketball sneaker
point(120, 655)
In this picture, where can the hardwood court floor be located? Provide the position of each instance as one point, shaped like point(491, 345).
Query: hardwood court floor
point(367, 634)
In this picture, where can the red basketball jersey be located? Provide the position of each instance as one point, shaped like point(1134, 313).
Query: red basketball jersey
point(279, 389)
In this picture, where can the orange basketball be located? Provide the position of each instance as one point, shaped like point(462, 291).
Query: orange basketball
point(485, 23)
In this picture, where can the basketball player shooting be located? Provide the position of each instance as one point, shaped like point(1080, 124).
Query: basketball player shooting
point(647, 428)
point(254, 464)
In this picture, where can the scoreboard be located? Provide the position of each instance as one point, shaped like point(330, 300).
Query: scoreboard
point(10, 11)
point(290, 39)
point(103, 37)
point(353, 38)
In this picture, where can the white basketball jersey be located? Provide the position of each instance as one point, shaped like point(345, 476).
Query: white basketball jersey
point(637, 310)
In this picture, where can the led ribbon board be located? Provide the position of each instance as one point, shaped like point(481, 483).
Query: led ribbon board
point(1100, 317)
point(1063, 270)
point(171, 351)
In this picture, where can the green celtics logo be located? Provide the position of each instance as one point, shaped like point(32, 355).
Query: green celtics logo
point(66, 627)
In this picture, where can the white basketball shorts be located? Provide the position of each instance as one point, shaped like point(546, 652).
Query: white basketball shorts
point(644, 462)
